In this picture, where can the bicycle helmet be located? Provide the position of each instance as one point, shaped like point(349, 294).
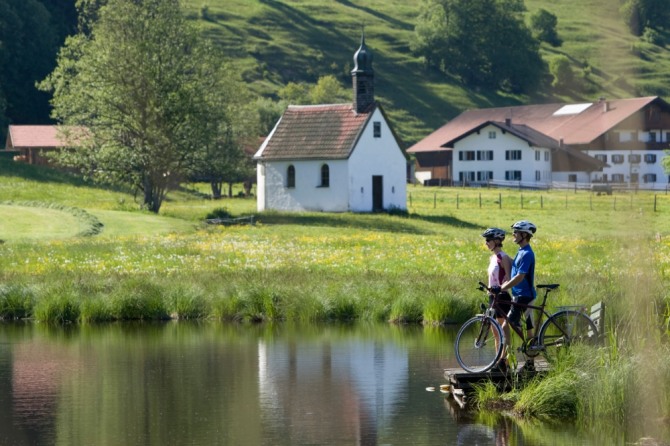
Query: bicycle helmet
point(494, 233)
point(524, 226)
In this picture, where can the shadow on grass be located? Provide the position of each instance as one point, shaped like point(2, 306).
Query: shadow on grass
point(412, 224)
point(42, 174)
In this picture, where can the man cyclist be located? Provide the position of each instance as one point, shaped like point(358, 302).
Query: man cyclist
point(522, 279)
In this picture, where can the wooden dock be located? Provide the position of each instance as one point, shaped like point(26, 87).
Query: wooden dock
point(461, 382)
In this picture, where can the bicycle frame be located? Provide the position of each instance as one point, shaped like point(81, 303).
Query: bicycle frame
point(495, 306)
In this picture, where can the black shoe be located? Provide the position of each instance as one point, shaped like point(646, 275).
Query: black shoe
point(529, 366)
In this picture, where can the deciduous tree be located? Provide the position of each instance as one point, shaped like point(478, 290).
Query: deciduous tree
point(138, 82)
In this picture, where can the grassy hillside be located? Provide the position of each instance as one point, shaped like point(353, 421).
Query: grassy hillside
point(300, 40)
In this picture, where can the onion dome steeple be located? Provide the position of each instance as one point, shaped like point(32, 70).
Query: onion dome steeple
point(363, 78)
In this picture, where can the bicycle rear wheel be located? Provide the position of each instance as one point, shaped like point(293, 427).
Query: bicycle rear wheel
point(476, 347)
point(566, 328)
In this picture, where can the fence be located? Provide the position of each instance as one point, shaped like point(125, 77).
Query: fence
point(574, 198)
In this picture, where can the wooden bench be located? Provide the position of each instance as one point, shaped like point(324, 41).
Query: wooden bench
point(231, 221)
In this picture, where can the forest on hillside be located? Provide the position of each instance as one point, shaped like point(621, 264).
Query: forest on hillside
point(484, 53)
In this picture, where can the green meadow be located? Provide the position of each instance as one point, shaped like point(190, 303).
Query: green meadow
point(74, 253)
point(60, 233)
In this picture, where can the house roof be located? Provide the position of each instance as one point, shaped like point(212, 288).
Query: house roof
point(574, 124)
point(38, 136)
point(522, 131)
point(315, 132)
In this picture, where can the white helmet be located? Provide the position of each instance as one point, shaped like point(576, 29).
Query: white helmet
point(524, 226)
point(494, 233)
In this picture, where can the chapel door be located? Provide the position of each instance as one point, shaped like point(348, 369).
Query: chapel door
point(377, 193)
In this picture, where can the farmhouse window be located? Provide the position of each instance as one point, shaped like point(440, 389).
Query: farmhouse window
point(484, 175)
point(538, 175)
point(634, 159)
point(484, 155)
point(546, 155)
point(325, 176)
point(466, 176)
point(466, 155)
point(290, 176)
point(617, 178)
point(537, 155)
point(649, 177)
point(617, 159)
point(650, 158)
point(513, 154)
point(652, 137)
point(492, 134)
point(602, 158)
point(572, 178)
point(513, 175)
point(377, 129)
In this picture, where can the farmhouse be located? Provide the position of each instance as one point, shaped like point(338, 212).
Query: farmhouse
point(616, 142)
point(334, 157)
point(33, 142)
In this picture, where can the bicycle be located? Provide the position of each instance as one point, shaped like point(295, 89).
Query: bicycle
point(480, 341)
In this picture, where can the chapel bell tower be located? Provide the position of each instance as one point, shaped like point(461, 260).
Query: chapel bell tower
point(363, 78)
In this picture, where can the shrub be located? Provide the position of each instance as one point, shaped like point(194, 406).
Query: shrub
point(219, 213)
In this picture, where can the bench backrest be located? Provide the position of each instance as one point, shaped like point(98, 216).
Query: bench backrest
point(598, 317)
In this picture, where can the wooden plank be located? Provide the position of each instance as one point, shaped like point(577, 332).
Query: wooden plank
point(459, 397)
point(460, 379)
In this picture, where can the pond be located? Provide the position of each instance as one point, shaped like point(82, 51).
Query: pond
point(212, 383)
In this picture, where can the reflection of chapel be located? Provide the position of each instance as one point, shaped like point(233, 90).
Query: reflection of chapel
point(334, 157)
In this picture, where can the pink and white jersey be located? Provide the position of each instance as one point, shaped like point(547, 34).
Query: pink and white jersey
point(496, 271)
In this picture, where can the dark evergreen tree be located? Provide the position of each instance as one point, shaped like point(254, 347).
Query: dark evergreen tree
point(641, 14)
point(30, 34)
point(543, 23)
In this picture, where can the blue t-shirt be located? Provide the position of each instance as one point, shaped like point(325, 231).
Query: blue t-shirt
point(524, 263)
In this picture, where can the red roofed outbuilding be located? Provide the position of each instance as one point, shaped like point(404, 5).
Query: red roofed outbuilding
point(32, 142)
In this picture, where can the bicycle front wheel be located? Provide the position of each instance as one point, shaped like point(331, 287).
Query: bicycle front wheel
point(479, 344)
point(566, 328)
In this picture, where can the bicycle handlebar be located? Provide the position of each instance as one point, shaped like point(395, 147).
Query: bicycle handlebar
point(547, 287)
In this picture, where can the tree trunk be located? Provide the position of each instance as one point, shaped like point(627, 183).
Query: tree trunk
point(153, 195)
point(216, 189)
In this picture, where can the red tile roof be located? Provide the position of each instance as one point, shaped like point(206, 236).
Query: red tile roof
point(315, 132)
point(575, 124)
point(37, 136)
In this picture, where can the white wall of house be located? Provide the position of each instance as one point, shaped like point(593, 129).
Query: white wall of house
point(308, 194)
point(377, 156)
point(571, 177)
point(643, 168)
point(484, 158)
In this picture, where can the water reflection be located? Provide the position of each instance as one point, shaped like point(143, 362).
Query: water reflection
point(223, 384)
point(361, 382)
